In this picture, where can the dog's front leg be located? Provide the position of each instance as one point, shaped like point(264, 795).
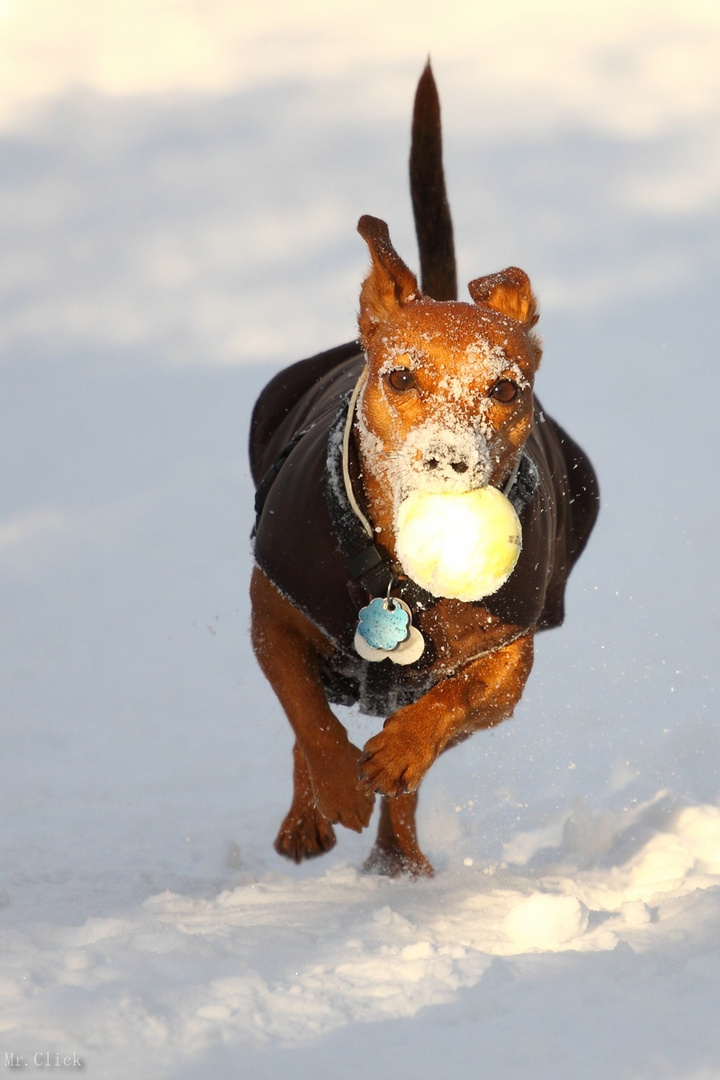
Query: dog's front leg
point(288, 646)
point(305, 832)
point(480, 695)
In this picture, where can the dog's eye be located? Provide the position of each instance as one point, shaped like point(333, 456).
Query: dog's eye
point(504, 390)
point(402, 379)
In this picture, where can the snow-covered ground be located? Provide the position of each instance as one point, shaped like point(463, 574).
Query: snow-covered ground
point(180, 184)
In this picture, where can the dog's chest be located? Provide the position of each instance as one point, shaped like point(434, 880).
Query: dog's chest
point(460, 632)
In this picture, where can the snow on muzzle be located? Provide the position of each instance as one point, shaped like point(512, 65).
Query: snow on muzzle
point(436, 457)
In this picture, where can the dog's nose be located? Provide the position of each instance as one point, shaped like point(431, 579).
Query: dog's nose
point(457, 466)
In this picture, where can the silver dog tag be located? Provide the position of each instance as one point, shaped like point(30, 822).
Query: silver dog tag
point(410, 650)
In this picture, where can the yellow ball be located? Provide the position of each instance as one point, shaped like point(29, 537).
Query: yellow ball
point(462, 545)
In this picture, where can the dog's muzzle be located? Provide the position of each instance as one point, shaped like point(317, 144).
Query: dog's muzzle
point(437, 458)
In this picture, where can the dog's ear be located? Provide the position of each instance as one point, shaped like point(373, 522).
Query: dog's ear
point(389, 284)
point(509, 293)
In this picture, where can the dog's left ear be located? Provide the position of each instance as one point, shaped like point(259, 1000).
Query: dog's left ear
point(390, 283)
point(509, 293)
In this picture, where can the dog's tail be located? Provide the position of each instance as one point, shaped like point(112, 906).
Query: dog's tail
point(433, 224)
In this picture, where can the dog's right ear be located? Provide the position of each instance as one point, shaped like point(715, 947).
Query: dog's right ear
point(390, 283)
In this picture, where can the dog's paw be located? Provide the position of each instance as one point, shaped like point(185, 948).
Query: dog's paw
point(336, 791)
point(304, 835)
point(393, 762)
point(392, 862)
point(352, 808)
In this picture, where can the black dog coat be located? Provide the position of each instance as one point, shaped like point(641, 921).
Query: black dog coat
point(307, 534)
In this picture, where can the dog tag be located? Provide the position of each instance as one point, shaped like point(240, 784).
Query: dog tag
point(367, 652)
point(410, 650)
point(405, 652)
point(384, 623)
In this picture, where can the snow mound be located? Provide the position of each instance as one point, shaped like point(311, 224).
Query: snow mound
point(545, 922)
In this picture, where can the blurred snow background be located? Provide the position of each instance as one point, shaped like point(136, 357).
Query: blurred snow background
point(180, 186)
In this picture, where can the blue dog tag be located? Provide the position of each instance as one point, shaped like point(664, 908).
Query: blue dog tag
point(384, 623)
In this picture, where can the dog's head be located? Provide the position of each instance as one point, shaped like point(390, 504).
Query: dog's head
point(448, 396)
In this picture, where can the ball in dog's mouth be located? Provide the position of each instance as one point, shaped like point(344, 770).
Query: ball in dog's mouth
point(460, 545)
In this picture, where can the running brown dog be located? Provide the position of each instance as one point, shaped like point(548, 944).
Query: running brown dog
point(437, 395)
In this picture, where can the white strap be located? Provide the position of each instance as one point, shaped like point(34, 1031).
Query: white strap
point(346, 455)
